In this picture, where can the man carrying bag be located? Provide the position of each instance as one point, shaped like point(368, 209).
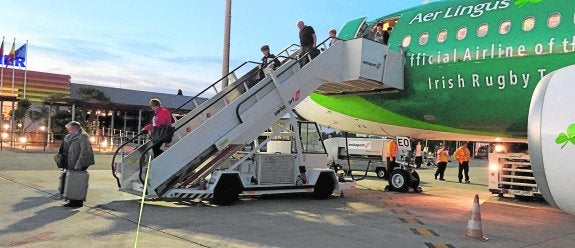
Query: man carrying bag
point(74, 156)
point(161, 127)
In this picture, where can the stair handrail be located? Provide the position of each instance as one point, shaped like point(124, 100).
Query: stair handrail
point(299, 59)
point(116, 153)
point(180, 107)
point(285, 50)
point(227, 91)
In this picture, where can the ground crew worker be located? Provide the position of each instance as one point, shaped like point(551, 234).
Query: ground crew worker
point(418, 155)
point(442, 159)
point(390, 155)
point(463, 156)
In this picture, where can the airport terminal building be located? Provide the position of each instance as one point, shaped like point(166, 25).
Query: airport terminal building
point(110, 114)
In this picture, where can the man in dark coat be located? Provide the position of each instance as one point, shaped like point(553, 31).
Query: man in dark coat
point(79, 153)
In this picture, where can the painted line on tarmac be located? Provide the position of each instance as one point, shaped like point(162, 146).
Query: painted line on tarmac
point(424, 232)
point(400, 211)
point(412, 221)
point(438, 245)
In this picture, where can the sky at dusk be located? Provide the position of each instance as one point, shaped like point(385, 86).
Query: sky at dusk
point(163, 46)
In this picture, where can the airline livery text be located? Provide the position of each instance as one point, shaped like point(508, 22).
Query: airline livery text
point(471, 11)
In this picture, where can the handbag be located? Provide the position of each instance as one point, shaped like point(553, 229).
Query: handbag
point(162, 134)
point(61, 158)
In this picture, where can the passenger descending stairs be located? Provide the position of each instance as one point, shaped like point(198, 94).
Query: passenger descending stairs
point(224, 123)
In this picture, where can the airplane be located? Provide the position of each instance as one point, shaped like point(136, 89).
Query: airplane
point(474, 70)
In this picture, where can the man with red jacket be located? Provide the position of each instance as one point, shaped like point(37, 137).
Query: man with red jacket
point(162, 117)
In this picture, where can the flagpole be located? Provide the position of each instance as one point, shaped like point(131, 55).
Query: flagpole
point(2, 66)
point(13, 111)
point(1, 89)
point(25, 67)
point(13, 65)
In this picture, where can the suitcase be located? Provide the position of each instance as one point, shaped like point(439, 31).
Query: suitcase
point(76, 185)
point(62, 180)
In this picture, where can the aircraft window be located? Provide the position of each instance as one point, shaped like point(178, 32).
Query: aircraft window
point(406, 41)
point(441, 36)
point(554, 20)
point(423, 38)
point(482, 30)
point(461, 33)
point(505, 27)
point(528, 23)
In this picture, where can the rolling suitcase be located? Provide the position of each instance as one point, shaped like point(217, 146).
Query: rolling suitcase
point(76, 185)
point(62, 180)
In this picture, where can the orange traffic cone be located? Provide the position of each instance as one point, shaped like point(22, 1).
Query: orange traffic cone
point(474, 229)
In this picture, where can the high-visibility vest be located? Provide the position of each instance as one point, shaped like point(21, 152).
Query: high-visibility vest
point(443, 155)
point(391, 149)
point(462, 154)
point(418, 150)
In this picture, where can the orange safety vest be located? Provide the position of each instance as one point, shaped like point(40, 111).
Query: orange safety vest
point(442, 156)
point(391, 149)
point(462, 154)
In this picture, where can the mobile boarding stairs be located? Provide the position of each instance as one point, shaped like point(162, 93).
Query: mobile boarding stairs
point(196, 164)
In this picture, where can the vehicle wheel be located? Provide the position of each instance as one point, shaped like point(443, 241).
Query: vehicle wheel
point(380, 172)
point(399, 180)
point(228, 190)
point(524, 198)
point(414, 180)
point(324, 186)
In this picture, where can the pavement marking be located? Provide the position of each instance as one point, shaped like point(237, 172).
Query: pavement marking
point(424, 232)
point(400, 211)
point(438, 245)
point(411, 221)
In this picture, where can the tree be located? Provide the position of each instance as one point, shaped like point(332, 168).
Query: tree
point(92, 94)
point(20, 112)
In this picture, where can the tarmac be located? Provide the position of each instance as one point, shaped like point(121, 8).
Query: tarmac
point(31, 216)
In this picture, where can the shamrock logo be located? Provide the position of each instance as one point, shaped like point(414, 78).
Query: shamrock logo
point(564, 138)
point(521, 3)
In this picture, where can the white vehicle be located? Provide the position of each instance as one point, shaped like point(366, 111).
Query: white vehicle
point(511, 173)
point(362, 152)
point(365, 154)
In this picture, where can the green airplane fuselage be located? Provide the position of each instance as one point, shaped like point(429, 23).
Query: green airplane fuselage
point(476, 85)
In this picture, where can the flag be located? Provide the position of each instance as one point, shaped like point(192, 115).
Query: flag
point(11, 55)
point(21, 52)
point(2, 50)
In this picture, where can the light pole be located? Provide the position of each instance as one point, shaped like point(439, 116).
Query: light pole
point(226, 58)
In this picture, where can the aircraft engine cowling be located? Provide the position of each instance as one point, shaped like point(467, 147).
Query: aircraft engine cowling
point(551, 136)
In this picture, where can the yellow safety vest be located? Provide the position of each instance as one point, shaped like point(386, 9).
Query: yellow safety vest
point(462, 154)
point(443, 156)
